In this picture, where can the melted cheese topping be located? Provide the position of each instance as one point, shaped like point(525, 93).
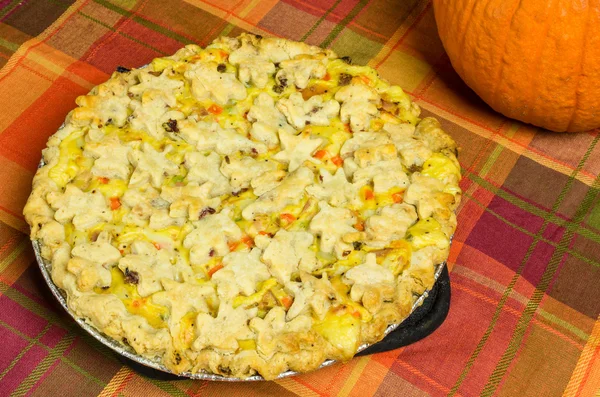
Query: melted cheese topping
point(257, 199)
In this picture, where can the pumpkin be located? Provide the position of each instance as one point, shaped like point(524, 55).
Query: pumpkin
point(537, 61)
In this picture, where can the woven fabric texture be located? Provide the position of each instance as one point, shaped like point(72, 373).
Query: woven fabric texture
point(525, 259)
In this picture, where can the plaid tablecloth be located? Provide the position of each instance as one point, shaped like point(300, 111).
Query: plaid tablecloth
point(526, 256)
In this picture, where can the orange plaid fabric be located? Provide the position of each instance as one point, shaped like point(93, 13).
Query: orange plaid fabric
point(525, 259)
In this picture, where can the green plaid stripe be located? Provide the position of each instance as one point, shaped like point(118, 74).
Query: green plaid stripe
point(550, 271)
point(534, 302)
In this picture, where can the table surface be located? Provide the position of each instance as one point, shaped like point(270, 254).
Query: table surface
point(526, 255)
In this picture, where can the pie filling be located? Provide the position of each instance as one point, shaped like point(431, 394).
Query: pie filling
point(252, 207)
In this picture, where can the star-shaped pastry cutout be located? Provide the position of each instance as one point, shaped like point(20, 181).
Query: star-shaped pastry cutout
point(272, 326)
point(83, 209)
point(332, 224)
point(243, 271)
point(222, 333)
point(297, 149)
point(182, 298)
point(160, 83)
point(334, 189)
point(190, 200)
point(150, 163)
point(287, 252)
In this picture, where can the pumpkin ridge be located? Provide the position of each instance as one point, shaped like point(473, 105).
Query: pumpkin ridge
point(564, 42)
point(581, 63)
point(496, 79)
point(464, 28)
point(588, 113)
point(537, 77)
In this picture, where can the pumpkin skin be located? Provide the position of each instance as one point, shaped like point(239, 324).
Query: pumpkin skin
point(537, 61)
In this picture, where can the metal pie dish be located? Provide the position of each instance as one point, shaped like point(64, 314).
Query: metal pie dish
point(129, 353)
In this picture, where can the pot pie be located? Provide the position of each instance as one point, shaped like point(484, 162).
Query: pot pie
point(256, 206)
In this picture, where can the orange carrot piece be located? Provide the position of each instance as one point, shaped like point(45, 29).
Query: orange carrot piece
point(214, 269)
point(320, 154)
point(247, 240)
point(233, 245)
point(337, 160)
point(215, 109)
point(287, 301)
point(289, 218)
point(115, 203)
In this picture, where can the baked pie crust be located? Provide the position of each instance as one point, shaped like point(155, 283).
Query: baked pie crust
point(256, 206)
